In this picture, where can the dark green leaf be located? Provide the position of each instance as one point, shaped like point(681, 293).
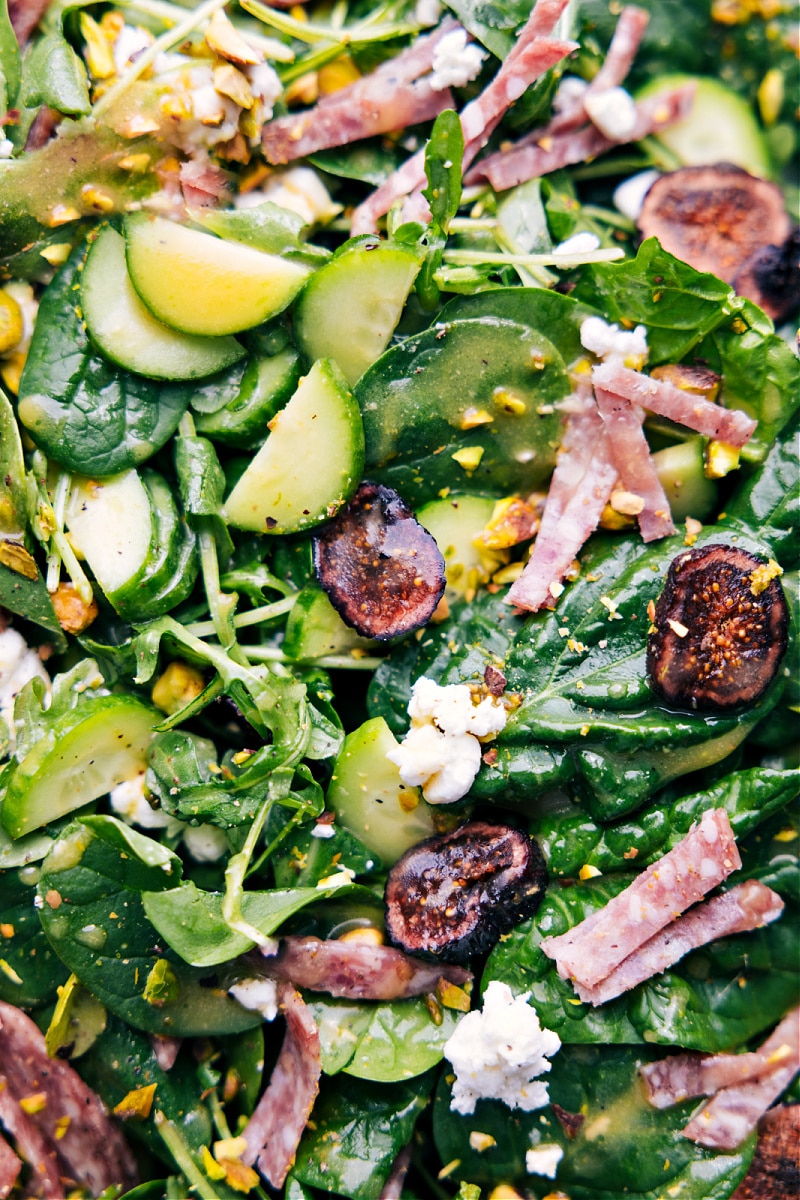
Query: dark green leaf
point(623, 1147)
point(200, 477)
point(55, 76)
point(86, 414)
point(443, 154)
point(771, 496)
point(358, 1132)
point(492, 22)
point(10, 61)
point(29, 970)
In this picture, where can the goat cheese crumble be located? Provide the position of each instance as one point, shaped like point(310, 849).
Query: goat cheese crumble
point(498, 1053)
point(455, 63)
point(608, 341)
point(257, 995)
point(613, 112)
point(544, 1160)
point(441, 753)
point(18, 665)
point(629, 195)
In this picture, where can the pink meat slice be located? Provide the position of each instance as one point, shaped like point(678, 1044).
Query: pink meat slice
point(273, 1132)
point(686, 408)
point(746, 907)
point(10, 1167)
point(733, 1113)
point(33, 1147)
point(91, 1147)
point(475, 117)
point(582, 482)
point(506, 168)
point(407, 66)
point(358, 971)
point(636, 468)
point(594, 948)
point(383, 109)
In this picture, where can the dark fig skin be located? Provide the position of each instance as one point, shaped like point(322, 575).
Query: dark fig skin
point(775, 1170)
point(383, 573)
point(720, 630)
point(453, 896)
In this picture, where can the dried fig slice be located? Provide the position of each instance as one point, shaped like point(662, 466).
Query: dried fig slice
point(382, 571)
point(454, 895)
point(714, 217)
point(775, 1171)
point(771, 278)
point(720, 629)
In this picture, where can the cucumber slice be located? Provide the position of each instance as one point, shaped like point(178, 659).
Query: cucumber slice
point(681, 470)
point(720, 128)
point(128, 334)
point(110, 523)
point(87, 753)
point(309, 465)
point(454, 523)
point(267, 385)
point(314, 628)
point(371, 800)
point(170, 568)
point(198, 283)
point(350, 308)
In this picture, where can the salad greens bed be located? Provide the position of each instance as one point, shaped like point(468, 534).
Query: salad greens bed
point(223, 668)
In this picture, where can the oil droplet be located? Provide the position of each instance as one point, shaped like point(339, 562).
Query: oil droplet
point(30, 876)
point(58, 927)
point(92, 936)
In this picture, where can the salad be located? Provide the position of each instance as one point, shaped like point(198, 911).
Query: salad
point(398, 585)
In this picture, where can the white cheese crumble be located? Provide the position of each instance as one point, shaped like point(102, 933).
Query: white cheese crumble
point(570, 90)
point(300, 190)
point(579, 243)
point(130, 42)
point(544, 1160)
point(6, 148)
point(427, 12)
point(498, 1053)
point(258, 995)
point(130, 804)
point(322, 830)
point(455, 63)
point(205, 843)
point(441, 753)
point(18, 665)
point(629, 196)
point(609, 341)
point(613, 112)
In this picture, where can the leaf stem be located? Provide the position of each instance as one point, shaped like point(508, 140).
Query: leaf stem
point(171, 1137)
point(327, 661)
point(466, 258)
point(254, 616)
point(279, 785)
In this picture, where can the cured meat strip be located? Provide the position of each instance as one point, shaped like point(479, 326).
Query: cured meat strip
point(358, 971)
point(507, 168)
point(672, 1080)
point(594, 948)
point(748, 906)
point(25, 16)
point(631, 453)
point(405, 68)
point(91, 1147)
point(579, 490)
point(687, 408)
point(273, 1132)
point(733, 1113)
point(384, 108)
point(34, 1148)
point(10, 1167)
point(410, 177)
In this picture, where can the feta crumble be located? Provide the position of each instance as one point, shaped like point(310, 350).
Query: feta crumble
point(427, 12)
point(455, 63)
point(613, 112)
point(441, 753)
point(130, 804)
point(257, 995)
point(629, 196)
point(205, 843)
point(544, 1160)
point(579, 243)
point(498, 1052)
point(18, 665)
point(609, 341)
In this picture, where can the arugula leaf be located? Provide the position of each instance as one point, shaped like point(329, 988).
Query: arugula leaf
point(86, 414)
point(36, 712)
point(444, 154)
point(55, 76)
point(622, 1147)
point(385, 1042)
point(93, 917)
point(357, 1134)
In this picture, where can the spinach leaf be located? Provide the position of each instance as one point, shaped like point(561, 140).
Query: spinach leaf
point(55, 76)
point(10, 61)
point(622, 1147)
point(122, 1060)
point(444, 153)
point(584, 691)
point(492, 22)
point(570, 839)
point(86, 414)
point(771, 496)
point(266, 227)
point(306, 858)
point(91, 886)
point(191, 921)
point(386, 1042)
point(29, 970)
point(357, 1134)
point(369, 162)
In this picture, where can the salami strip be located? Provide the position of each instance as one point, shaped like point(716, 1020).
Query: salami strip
point(273, 1132)
point(358, 971)
point(636, 468)
point(591, 950)
point(746, 907)
point(687, 408)
point(10, 1167)
point(733, 1113)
